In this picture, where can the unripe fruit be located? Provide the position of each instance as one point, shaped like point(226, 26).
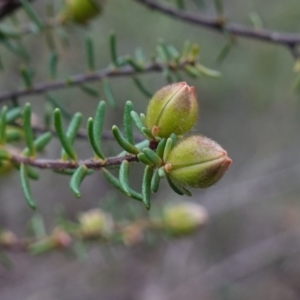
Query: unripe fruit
point(5, 164)
point(197, 162)
point(95, 222)
point(173, 109)
point(81, 11)
point(184, 218)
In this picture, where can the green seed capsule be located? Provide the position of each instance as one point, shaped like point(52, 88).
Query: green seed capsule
point(173, 109)
point(197, 162)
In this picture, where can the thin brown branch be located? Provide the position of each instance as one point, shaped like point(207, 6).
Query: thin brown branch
point(61, 165)
point(63, 238)
point(286, 39)
point(81, 79)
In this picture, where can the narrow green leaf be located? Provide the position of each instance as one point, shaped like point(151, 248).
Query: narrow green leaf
point(186, 191)
point(3, 125)
point(139, 56)
point(153, 157)
point(72, 130)
point(224, 51)
point(137, 120)
point(52, 65)
point(219, 7)
point(141, 145)
point(208, 72)
point(168, 75)
point(161, 147)
point(89, 90)
point(168, 147)
point(108, 93)
point(194, 53)
point(113, 48)
point(26, 187)
point(26, 76)
point(130, 61)
point(147, 133)
point(4, 154)
point(14, 48)
point(116, 183)
point(124, 177)
point(28, 130)
point(90, 54)
point(143, 119)
point(65, 142)
point(140, 125)
point(174, 53)
point(162, 172)
point(256, 20)
point(40, 143)
point(178, 188)
point(15, 101)
point(174, 187)
point(186, 50)
point(97, 130)
point(9, 31)
point(68, 172)
point(146, 186)
point(13, 114)
point(123, 142)
point(192, 71)
point(155, 181)
point(74, 126)
point(141, 87)
point(80, 250)
point(56, 104)
point(77, 179)
point(173, 137)
point(127, 122)
point(143, 158)
point(32, 14)
point(38, 226)
point(13, 135)
point(93, 142)
point(32, 173)
point(180, 4)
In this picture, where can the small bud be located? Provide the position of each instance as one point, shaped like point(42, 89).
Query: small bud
point(61, 239)
point(8, 239)
point(95, 222)
point(184, 218)
point(197, 162)
point(81, 11)
point(132, 234)
point(173, 109)
point(6, 165)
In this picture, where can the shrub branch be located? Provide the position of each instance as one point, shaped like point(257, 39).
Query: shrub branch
point(61, 165)
point(289, 40)
point(80, 79)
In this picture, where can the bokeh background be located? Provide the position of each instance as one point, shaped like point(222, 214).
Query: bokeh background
point(250, 249)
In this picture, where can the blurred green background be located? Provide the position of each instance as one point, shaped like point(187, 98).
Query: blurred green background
point(252, 111)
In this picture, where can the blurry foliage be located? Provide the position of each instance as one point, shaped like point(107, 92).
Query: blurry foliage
point(55, 62)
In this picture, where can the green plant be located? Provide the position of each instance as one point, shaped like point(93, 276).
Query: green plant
point(159, 146)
